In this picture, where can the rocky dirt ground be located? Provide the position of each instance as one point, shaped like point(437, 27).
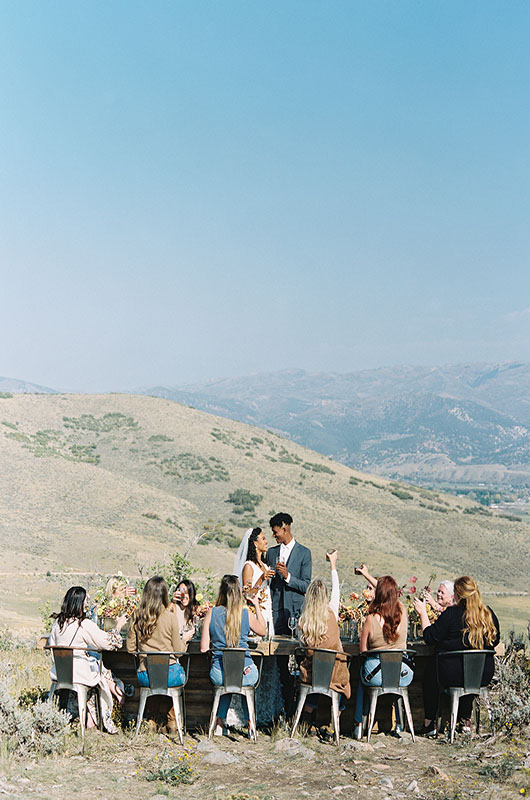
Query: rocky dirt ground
point(232, 768)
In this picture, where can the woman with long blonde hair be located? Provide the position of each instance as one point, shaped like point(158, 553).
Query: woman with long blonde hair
point(318, 627)
point(468, 625)
point(228, 624)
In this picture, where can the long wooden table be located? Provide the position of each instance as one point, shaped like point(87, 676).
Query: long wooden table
point(199, 693)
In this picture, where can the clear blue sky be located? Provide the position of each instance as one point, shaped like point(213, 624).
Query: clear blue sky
point(202, 189)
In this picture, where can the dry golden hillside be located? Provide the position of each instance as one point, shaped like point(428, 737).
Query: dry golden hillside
point(96, 483)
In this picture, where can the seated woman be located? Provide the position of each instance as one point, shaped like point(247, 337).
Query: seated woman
point(468, 625)
point(154, 628)
point(319, 628)
point(444, 597)
point(228, 624)
point(71, 628)
point(385, 628)
point(184, 606)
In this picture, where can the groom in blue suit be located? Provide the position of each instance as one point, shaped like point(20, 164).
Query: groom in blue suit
point(292, 564)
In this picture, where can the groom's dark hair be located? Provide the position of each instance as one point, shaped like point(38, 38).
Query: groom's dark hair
point(278, 519)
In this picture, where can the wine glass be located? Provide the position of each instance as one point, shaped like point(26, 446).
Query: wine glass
point(293, 622)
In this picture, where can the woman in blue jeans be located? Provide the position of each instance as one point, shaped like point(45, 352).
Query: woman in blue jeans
point(385, 628)
point(154, 628)
point(228, 624)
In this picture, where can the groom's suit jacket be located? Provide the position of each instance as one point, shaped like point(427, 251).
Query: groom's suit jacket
point(288, 598)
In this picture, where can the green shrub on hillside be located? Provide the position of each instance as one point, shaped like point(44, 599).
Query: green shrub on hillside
point(111, 421)
point(5, 395)
point(354, 481)
point(401, 494)
point(318, 468)
point(194, 468)
point(160, 437)
point(243, 501)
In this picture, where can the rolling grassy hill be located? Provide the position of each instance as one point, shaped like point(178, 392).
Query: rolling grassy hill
point(99, 483)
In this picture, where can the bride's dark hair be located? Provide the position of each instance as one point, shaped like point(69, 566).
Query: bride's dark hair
point(252, 554)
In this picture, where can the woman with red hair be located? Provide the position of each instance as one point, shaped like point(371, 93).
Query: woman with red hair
point(385, 628)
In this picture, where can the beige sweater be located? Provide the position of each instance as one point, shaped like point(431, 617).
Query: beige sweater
point(165, 637)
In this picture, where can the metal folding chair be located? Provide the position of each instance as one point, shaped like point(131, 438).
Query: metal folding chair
point(63, 658)
point(323, 663)
point(158, 664)
point(473, 663)
point(233, 666)
point(391, 661)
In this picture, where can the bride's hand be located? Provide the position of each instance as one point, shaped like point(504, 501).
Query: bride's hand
point(268, 573)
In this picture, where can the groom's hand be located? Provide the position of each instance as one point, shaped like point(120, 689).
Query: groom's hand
point(282, 569)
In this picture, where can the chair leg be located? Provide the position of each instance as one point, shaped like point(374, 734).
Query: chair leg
point(476, 713)
point(408, 712)
point(141, 708)
point(454, 713)
point(213, 716)
point(249, 696)
point(178, 719)
point(82, 693)
point(304, 691)
point(371, 714)
point(336, 715)
point(53, 689)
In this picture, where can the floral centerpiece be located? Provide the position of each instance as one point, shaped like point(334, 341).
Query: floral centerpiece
point(408, 592)
point(352, 616)
point(108, 605)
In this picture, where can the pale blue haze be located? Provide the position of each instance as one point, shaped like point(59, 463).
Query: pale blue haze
point(205, 189)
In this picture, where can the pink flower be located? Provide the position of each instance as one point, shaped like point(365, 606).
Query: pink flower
point(412, 589)
point(413, 579)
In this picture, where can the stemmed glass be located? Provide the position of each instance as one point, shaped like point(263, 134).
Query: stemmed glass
point(293, 622)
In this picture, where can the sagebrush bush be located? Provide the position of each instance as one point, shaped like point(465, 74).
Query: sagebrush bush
point(39, 729)
point(510, 695)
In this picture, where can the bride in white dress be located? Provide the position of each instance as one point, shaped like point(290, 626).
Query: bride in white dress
point(254, 576)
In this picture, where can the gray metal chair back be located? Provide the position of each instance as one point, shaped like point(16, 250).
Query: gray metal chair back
point(391, 663)
point(157, 665)
point(322, 670)
point(473, 663)
point(63, 658)
point(233, 666)
point(322, 665)
point(157, 671)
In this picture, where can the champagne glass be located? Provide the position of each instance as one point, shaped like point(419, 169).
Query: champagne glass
point(293, 622)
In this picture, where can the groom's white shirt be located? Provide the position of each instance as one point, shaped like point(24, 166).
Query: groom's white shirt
point(285, 552)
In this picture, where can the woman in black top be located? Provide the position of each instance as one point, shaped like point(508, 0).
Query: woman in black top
point(468, 625)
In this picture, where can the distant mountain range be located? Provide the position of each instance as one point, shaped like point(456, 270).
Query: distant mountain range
point(459, 424)
point(23, 387)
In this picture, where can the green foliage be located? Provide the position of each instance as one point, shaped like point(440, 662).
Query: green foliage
point(173, 523)
point(478, 510)
point(182, 771)
point(318, 468)
point(85, 453)
point(510, 696)
point(7, 640)
point(173, 570)
point(354, 481)
point(194, 468)
point(401, 494)
point(511, 517)
point(6, 395)
point(243, 501)
point(45, 611)
point(499, 771)
point(160, 437)
point(289, 458)
point(150, 515)
point(111, 421)
point(376, 485)
point(217, 533)
point(31, 695)
point(11, 425)
point(37, 729)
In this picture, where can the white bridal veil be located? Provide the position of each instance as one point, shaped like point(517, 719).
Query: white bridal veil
point(241, 556)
